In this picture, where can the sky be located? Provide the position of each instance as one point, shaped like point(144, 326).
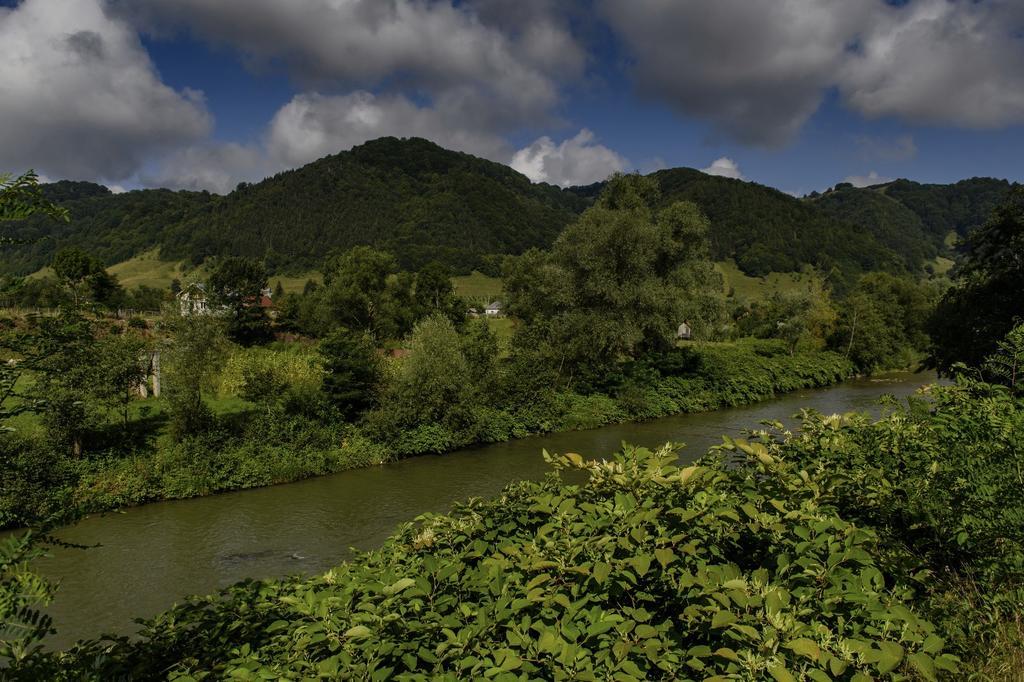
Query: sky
point(795, 94)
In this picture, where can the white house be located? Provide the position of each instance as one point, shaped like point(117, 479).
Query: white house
point(193, 299)
point(493, 309)
point(684, 331)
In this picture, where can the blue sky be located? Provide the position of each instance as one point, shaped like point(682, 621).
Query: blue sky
point(796, 94)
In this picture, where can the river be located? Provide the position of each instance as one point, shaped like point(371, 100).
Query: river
point(148, 557)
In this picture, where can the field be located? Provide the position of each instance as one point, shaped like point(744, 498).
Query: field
point(746, 288)
point(942, 265)
point(148, 270)
point(477, 287)
point(294, 284)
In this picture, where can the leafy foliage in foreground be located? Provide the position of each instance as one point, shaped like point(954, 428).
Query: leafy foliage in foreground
point(830, 554)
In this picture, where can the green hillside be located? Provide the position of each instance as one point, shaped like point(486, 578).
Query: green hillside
point(889, 220)
point(958, 207)
point(423, 202)
point(112, 227)
point(411, 197)
point(765, 230)
point(915, 219)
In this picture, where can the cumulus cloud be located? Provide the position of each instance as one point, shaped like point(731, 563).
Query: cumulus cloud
point(313, 125)
point(80, 97)
point(576, 161)
point(725, 167)
point(217, 167)
point(941, 62)
point(868, 180)
point(438, 48)
point(758, 70)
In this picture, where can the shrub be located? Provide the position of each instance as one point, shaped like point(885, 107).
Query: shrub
point(646, 571)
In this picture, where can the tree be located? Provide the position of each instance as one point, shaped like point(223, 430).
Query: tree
point(191, 359)
point(237, 284)
point(123, 367)
point(988, 299)
point(78, 271)
point(351, 371)
point(480, 348)
point(20, 198)
point(618, 281)
point(881, 323)
point(432, 385)
point(68, 379)
point(1006, 365)
point(804, 318)
point(363, 291)
point(435, 294)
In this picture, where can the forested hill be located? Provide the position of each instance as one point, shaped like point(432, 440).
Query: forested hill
point(766, 230)
point(940, 209)
point(411, 197)
point(423, 202)
point(112, 227)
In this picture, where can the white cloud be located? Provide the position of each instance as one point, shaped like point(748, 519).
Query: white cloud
point(725, 167)
point(936, 61)
point(313, 125)
point(576, 161)
point(214, 167)
point(758, 70)
point(80, 97)
point(868, 180)
point(439, 49)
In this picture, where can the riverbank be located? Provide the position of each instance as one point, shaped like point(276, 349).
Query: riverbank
point(269, 447)
point(825, 551)
point(159, 552)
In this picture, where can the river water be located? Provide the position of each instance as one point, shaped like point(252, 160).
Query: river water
point(149, 557)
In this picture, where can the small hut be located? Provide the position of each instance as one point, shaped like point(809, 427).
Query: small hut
point(684, 332)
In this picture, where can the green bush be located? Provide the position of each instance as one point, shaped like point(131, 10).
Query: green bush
point(739, 569)
point(291, 368)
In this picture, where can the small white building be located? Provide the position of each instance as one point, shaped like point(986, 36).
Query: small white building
point(493, 309)
point(684, 331)
point(194, 300)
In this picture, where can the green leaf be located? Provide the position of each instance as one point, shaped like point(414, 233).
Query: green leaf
point(645, 631)
point(640, 563)
point(890, 656)
point(933, 644)
point(399, 585)
point(804, 647)
point(664, 556)
point(601, 572)
point(924, 665)
point(722, 618)
point(780, 674)
point(358, 632)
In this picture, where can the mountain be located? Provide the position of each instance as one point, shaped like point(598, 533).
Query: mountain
point(766, 230)
point(411, 197)
point(891, 222)
point(112, 227)
point(958, 207)
point(423, 202)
